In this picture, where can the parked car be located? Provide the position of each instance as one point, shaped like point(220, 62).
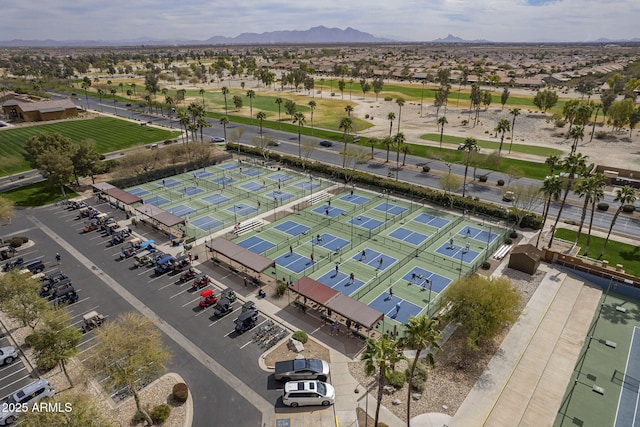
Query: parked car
point(217, 139)
point(273, 143)
point(326, 143)
point(301, 369)
point(308, 393)
point(35, 266)
point(27, 396)
point(7, 355)
point(508, 196)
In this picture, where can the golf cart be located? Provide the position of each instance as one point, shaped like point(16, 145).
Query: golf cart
point(229, 294)
point(208, 298)
point(246, 320)
point(200, 281)
point(92, 320)
point(188, 275)
point(223, 307)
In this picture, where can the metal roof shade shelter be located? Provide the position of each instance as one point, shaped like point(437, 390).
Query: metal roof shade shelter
point(337, 302)
point(235, 253)
point(160, 218)
point(119, 195)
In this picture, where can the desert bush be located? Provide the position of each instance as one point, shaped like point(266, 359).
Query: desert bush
point(464, 122)
point(426, 168)
point(396, 379)
point(281, 289)
point(603, 206)
point(628, 208)
point(160, 413)
point(508, 241)
point(388, 98)
point(486, 265)
point(500, 182)
point(601, 134)
point(513, 235)
point(15, 242)
point(180, 392)
point(300, 336)
point(417, 384)
point(483, 178)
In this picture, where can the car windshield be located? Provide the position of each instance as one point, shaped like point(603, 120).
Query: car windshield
point(322, 389)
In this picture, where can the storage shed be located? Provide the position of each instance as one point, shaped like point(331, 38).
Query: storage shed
point(525, 258)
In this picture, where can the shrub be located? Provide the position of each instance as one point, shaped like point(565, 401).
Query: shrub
point(464, 122)
point(24, 239)
point(15, 242)
point(180, 392)
point(29, 339)
point(508, 241)
point(383, 425)
point(300, 336)
point(483, 178)
point(396, 379)
point(500, 182)
point(138, 418)
point(601, 134)
point(160, 413)
point(603, 206)
point(513, 235)
point(628, 208)
point(426, 169)
point(486, 265)
point(281, 289)
point(45, 364)
point(388, 98)
point(417, 384)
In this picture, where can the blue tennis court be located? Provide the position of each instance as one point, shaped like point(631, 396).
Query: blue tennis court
point(256, 244)
point(366, 222)
point(340, 282)
point(427, 280)
point(206, 223)
point(168, 182)
point(330, 241)
point(252, 186)
point(222, 180)
point(251, 172)
point(292, 228)
point(458, 252)
point(191, 191)
point(388, 306)
point(306, 185)
point(215, 199)
point(478, 234)
point(330, 211)
point(280, 195)
point(294, 262)
point(138, 191)
point(156, 201)
point(372, 259)
point(434, 221)
point(282, 177)
point(228, 166)
point(202, 174)
point(242, 209)
point(629, 401)
point(408, 236)
point(355, 199)
point(181, 210)
point(390, 208)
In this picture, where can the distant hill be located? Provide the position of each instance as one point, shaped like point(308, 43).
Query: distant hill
point(315, 35)
point(453, 39)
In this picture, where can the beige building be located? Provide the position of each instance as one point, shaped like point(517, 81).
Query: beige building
point(35, 111)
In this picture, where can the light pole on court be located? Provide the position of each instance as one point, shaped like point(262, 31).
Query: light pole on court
point(462, 252)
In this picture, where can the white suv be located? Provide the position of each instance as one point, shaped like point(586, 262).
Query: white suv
point(8, 355)
point(23, 400)
point(305, 393)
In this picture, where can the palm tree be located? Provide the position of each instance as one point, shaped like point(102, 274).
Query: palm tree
point(224, 121)
point(391, 117)
point(279, 102)
point(225, 91)
point(298, 118)
point(470, 144)
point(377, 357)
point(100, 93)
point(202, 123)
point(400, 102)
point(346, 124)
point(348, 109)
point(406, 149)
point(577, 133)
point(121, 86)
point(553, 161)
point(312, 106)
point(420, 333)
point(503, 127)
point(398, 141)
point(585, 187)
point(184, 120)
point(201, 94)
point(148, 99)
point(442, 120)
point(574, 164)
point(133, 86)
point(626, 196)
point(552, 189)
point(261, 116)
point(170, 103)
point(515, 112)
point(373, 142)
point(597, 194)
point(251, 94)
point(596, 107)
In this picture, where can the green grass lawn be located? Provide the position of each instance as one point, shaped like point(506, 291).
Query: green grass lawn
point(37, 194)
point(494, 145)
point(109, 134)
point(617, 252)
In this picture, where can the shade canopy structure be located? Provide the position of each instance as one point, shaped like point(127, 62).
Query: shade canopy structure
point(237, 254)
point(159, 216)
point(337, 302)
point(117, 194)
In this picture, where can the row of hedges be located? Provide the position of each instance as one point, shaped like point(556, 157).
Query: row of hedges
point(476, 206)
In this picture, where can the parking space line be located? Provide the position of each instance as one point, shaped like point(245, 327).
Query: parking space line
point(19, 379)
point(83, 313)
point(186, 290)
point(191, 302)
point(220, 319)
point(173, 284)
point(146, 271)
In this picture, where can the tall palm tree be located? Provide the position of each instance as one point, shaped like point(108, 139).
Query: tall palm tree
point(346, 124)
point(420, 333)
point(399, 142)
point(406, 149)
point(251, 94)
point(279, 102)
point(261, 116)
point(470, 144)
point(625, 195)
point(552, 189)
point(224, 121)
point(170, 103)
point(298, 118)
point(202, 123)
point(100, 93)
point(312, 105)
point(400, 102)
point(133, 87)
point(584, 187)
point(597, 194)
point(225, 91)
point(574, 164)
point(377, 357)
point(553, 161)
point(201, 94)
point(391, 117)
point(184, 120)
point(388, 142)
point(503, 127)
point(577, 133)
point(515, 112)
point(442, 120)
point(596, 107)
point(121, 86)
point(348, 109)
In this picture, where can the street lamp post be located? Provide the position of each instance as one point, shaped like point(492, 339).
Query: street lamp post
point(235, 216)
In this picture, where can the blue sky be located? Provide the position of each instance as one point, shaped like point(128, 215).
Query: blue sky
point(402, 20)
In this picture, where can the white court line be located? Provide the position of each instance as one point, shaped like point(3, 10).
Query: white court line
point(622, 389)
